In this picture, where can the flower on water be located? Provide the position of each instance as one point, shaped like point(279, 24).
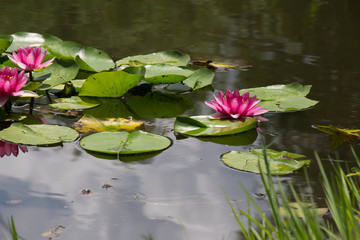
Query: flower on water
point(29, 58)
point(10, 83)
point(234, 105)
point(7, 149)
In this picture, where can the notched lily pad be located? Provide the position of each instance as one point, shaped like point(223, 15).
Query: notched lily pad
point(280, 163)
point(339, 135)
point(23, 39)
point(124, 142)
point(206, 126)
point(174, 58)
point(280, 98)
point(38, 134)
point(74, 102)
point(163, 73)
point(89, 123)
point(199, 79)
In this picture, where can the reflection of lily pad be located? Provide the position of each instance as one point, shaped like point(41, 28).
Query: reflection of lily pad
point(240, 139)
point(124, 142)
point(125, 157)
point(290, 97)
point(174, 58)
point(339, 135)
point(74, 102)
point(280, 163)
point(110, 108)
point(206, 126)
point(159, 105)
point(38, 134)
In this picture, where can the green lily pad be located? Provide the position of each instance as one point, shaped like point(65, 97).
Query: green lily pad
point(200, 78)
point(174, 58)
point(88, 58)
point(59, 72)
point(23, 39)
point(38, 134)
point(109, 84)
point(74, 102)
point(5, 42)
point(280, 163)
point(166, 73)
point(124, 142)
point(290, 97)
point(206, 126)
point(159, 105)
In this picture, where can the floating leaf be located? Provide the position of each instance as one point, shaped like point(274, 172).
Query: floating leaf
point(109, 84)
point(280, 163)
point(38, 134)
point(23, 39)
point(166, 73)
point(199, 79)
point(125, 142)
point(339, 135)
point(297, 209)
point(160, 105)
point(174, 58)
point(89, 123)
point(206, 126)
point(5, 42)
point(88, 58)
point(74, 102)
point(290, 97)
point(60, 71)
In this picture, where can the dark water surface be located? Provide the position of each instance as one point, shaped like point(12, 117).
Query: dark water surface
point(178, 194)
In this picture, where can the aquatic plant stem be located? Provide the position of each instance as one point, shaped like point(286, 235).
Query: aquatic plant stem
point(31, 76)
point(7, 107)
point(31, 106)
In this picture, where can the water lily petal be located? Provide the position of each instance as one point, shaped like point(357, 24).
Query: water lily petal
point(45, 64)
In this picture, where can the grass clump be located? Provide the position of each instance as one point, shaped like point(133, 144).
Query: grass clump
point(301, 219)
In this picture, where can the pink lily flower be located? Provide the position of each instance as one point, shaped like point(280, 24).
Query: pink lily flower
point(234, 105)
point(7, 149)
point(29, 58)
point(10, 83)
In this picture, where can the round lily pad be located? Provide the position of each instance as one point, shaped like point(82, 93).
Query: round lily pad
point(125, 142)
point(38, 134)
point(207, 126)
point(280, 163)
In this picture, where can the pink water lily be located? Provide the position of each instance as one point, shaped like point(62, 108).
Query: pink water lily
point(10, 83)
point(29, 58)
point(7, 149)
point(234, 105)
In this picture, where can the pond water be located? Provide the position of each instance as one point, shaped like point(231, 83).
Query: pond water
point(180, 193)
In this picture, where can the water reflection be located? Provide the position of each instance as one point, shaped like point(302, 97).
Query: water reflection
point(8, 149)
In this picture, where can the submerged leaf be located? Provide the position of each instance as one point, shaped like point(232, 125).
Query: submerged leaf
point(280, 163)
point(290, 97)
point(174, 58)
point(339, 135)
point(89, 123)
point(38, 134)
point(297, 209)
point(124, 142)
point(206, 126)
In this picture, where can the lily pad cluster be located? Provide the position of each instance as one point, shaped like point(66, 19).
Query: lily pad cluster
point(113, 95)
